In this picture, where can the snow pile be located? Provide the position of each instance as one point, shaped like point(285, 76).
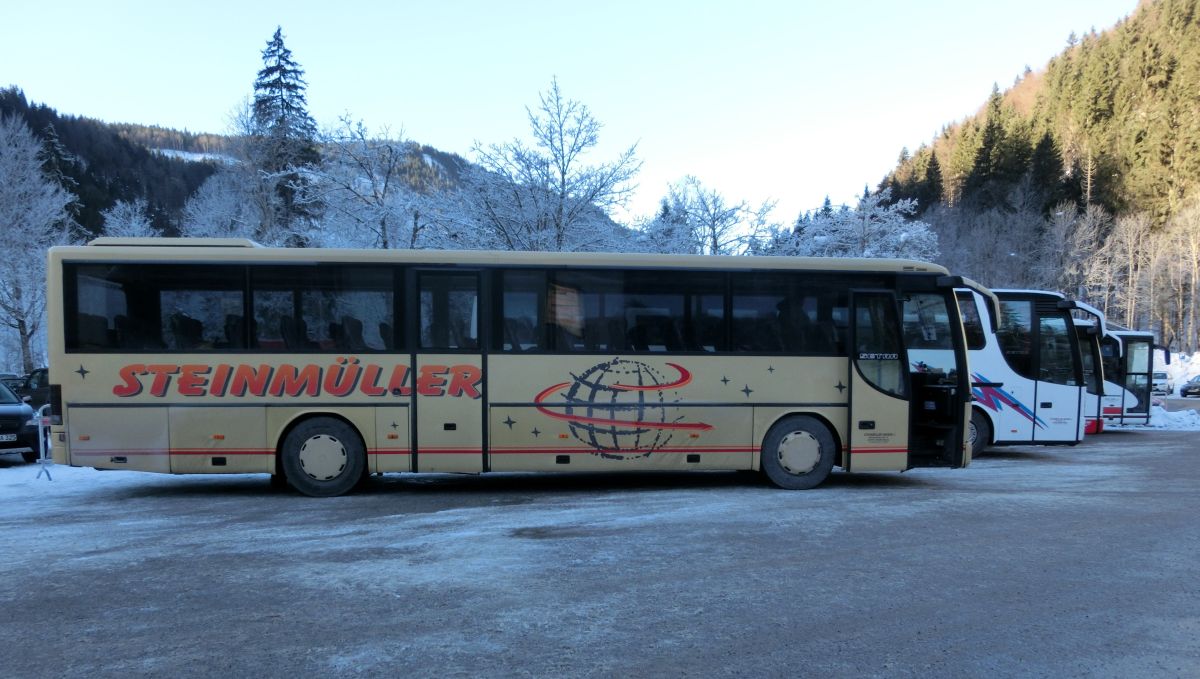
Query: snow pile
point(1182, 420)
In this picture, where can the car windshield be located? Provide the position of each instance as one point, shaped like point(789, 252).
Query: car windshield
point(6, 395)
point(1160, 376)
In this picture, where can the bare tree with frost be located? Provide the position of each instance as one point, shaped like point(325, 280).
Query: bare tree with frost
point(33, 216)
point(128, 219)
point(542, 195)
point(696, 219)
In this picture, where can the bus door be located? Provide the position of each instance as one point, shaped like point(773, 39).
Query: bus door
point(1139, 363)
point(1058, 402)
point(1093, 376)
point(878, 418)
point(448, 372)
point(937, 366)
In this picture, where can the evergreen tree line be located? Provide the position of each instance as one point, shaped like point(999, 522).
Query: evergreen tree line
point(1067, 160)
point(100, 167)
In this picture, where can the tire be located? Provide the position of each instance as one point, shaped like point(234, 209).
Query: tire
point(323, 457)
point(979, 433)
point(798, 453)
point(30, 457)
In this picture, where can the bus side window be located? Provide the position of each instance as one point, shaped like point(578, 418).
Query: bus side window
point(518, 320)
point(1015, 336)
point(449, 306)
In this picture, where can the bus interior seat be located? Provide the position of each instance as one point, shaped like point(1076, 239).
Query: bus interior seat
point(188, 332)
point(637, 337)
point(460, 338)
point(672, 338)
point(352, 333)
point(93, 332)
point(512, 338)
point(337, 334)
point(294, 332)
point(564, 340)
point(385, 333)
point(595, 335)
point(235, 331)
point(616, 335)
point(132, 334)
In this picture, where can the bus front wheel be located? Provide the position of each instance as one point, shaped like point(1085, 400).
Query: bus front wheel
point(323, 457)
point(979, 433)
point(798, 453)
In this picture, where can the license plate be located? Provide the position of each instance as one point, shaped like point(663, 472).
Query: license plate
point(8, 437)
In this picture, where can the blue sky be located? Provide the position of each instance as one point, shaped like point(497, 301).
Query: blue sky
point(785, 100)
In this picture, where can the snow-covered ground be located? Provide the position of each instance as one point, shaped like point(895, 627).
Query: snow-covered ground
point(1031, 562)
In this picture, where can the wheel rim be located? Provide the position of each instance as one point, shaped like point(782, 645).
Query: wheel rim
point(799, 452)
point(972, 433)
point(323, 457)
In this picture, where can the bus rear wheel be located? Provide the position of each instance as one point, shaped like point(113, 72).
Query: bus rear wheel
point(979, 433)
point(323, 457)
point(798, 453)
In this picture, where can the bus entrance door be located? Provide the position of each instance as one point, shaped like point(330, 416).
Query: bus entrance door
point(1058, 401)
point(447, 369)
point(878, 415)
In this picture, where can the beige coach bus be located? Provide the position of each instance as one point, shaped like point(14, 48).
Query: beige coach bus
point(321, 367)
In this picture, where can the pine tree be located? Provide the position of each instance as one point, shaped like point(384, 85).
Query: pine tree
point(283, 141)
point(930, 192)
point(826, 208)
point(280, 105)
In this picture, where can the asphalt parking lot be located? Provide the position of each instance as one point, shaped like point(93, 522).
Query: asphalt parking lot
point(1033, 562)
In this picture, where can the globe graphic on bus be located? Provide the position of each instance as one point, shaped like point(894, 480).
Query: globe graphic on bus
point(619, 409)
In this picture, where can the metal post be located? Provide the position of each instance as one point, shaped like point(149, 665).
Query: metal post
point(45, 461)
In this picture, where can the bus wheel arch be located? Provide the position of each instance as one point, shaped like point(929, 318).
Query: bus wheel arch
point(321, 454)
point(980, 431)
point(799, 451)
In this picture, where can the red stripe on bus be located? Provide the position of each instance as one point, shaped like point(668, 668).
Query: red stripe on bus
point(117, 453)
point(218, 452)
point(869, 451)
point(666, 448)
point(449, 451)
point(566, 451)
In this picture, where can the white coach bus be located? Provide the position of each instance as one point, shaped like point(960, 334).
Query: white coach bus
point(1026, 369)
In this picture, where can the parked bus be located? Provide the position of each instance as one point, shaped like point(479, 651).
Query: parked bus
point(1026, 369)
point(1128, 357)
point(322, 366)
point(1089, 328)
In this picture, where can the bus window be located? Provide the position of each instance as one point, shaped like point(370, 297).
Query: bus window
point(927, 335)
point(323, 308)
point(878, 351)
point(1015, 335)
point(1056, 351)
point(449, 305)
point(972, 323)
point(156, 308)
point(778, 313)
point(519, 319)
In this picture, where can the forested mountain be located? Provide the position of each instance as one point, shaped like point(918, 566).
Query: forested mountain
point(1083, 176)
point(1113, 120)
point(101, 166)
